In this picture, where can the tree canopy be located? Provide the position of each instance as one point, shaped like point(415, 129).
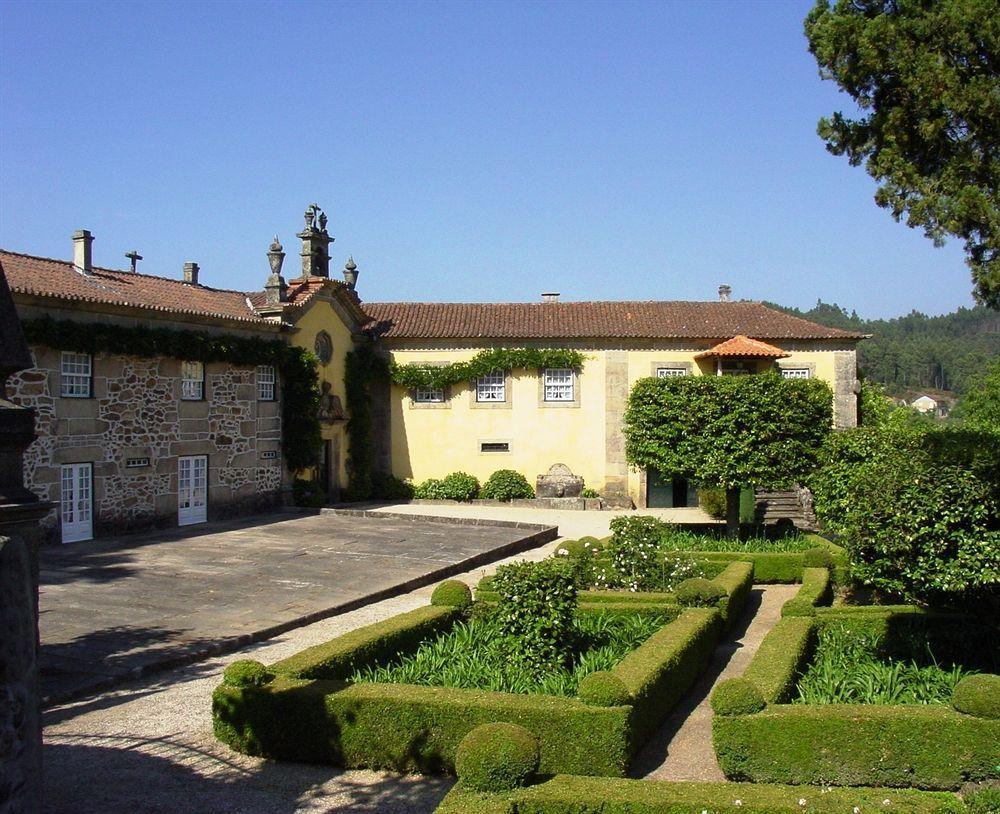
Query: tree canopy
point(980, 406)
point(926, 76)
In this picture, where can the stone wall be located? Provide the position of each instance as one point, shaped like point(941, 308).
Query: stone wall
point(135, 412)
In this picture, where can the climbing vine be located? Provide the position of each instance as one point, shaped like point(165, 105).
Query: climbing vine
point(300, 437)
point(363, 365)
point(484, 362)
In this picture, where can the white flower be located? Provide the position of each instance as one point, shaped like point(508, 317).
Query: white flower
point(802, 801)
point(737, 802)
point(885, 802)
point(857, 810)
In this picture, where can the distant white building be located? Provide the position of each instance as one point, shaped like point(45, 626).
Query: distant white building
point(924, 404)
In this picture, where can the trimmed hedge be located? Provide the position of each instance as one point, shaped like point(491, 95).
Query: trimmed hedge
point(775, 567)
point(978, 695)
point(660, 671)
point(737, 696)
point(927, 747)
point(816, 590)
point(603, 689)
point(497, 757)
point(247, 673)
point(564, 794)
point(452, 593)
point(340, 657)
point(737, 581)
point(775, 667)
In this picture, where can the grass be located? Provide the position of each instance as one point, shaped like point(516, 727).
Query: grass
point(848, 670)
point(472, 656)
point(683, 540)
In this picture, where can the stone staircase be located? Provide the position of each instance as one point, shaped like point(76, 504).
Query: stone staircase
point(791, 504)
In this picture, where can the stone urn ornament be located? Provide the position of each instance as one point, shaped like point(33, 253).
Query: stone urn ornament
point(559, 481)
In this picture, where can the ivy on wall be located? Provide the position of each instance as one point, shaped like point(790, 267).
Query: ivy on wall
point(363, 365)
point(300, 437)
point(484, 362)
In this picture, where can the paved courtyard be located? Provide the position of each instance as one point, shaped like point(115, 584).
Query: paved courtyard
point(113, 608)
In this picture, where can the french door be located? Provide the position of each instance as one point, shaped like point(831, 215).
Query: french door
point(192, 490)
point(76, 502)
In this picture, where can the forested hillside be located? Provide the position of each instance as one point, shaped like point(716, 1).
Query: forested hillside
point(917, 350)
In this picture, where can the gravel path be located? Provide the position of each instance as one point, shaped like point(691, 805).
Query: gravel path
point(682, 749)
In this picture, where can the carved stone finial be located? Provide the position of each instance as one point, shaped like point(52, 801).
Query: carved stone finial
point(275, 288)
point(351, 272)
point(275, 256)
point(322, 221)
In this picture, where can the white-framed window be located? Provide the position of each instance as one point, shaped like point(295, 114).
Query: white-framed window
point(428, 395)
point(795, 373)
point(192, 381)
point(75, 375)
point(492, 387)
point(670, 372)
point(265, 383)
point(558, 384)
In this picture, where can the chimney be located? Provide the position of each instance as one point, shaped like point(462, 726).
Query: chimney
point(351, 273)
point(82, 257)
point(275, 288)
point(550, 296)
point(191, 273)
point(725, 292)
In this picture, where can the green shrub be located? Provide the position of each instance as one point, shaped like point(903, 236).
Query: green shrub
point(927, 747)
point(712, 500)
point(506, 485)
point(603, 689)
point(699, 593)
point(386, 486)
point(983, 801)
point(818, 557)
point(452, 593)
point(593, 543)
point(308, 493)
point(536, 602)
point(978, 695)
point(247, 673)
point(768, 567)
point(461, 486)
point(497, 757)
point(430, 489)
point(589, 493)
point(736, 580)
point(797, 606)
point(815, 590)
point(780, 657)
point(570, 548)
point(634, 551)
point(737, 696)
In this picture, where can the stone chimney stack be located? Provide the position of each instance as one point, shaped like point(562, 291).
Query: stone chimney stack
point(275, 288)
point(550, 296)
point(725, 293)
point(315, 244)
point(82, 255)
point(351, 273)
point(191, 273)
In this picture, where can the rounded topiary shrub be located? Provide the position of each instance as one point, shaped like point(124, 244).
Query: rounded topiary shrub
point(737, 696)
point(247, 673)
point(698, 592)
point(506, 485)
point(430, 489)
point(978, 695)
point(593, 543)
point(452, 593)
point(497, 757)
point(817, 557)
point(603, 689)
point(460, 486)
point(570, 548)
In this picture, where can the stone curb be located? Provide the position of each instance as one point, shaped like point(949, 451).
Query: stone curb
point(540, 534)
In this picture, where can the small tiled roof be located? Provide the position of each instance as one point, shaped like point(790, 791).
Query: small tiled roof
point(45, 277)
point(744, 346)
point(586, 320)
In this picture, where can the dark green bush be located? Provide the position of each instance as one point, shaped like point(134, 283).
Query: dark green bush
point(594, 543)
point(978, 695)
point(386, 486)
point(780, 657)
point(452, 593)
point(818, 557)
point(430, 489)
point(699, 593)
point(603, 689)
point(737, 696)
point(570, 548)
point(308, 493)
point(506, 485)
point(535, 606)
point(815, 590)
point(247, 673)
point(497, 757)
point(712, 500)
point(460, 486)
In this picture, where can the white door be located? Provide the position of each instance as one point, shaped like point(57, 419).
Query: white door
point(76, 506)
point(192, 490)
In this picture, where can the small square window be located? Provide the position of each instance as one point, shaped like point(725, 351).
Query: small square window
point(192, 381)
point(795, 373)
point(429, 395)
point(492, 387)
point(75, 373)
point(558, 384)
point(670, 372)
point(265, 383)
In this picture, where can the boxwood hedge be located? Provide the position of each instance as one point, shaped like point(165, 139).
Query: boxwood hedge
point(589, 795)
point(775, 667)
point(816, 590)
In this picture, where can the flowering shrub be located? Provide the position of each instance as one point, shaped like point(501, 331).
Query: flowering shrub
point(535, 613)
point(636, 560)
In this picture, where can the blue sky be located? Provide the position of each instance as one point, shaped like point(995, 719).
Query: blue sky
point(463, 151)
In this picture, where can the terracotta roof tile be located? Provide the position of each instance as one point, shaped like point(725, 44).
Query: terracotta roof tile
point(58, 278)
point(744, 346)
point(584, 320)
